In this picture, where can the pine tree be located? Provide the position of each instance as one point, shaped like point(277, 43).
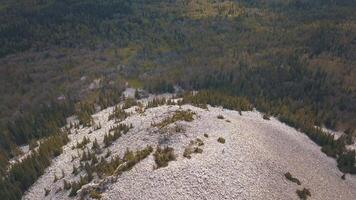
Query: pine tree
point(96, 145)
point(75, 170)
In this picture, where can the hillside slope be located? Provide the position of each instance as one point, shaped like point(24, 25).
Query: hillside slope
point(250, 164)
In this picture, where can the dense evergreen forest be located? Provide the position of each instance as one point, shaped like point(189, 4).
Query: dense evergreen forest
point(294, 59)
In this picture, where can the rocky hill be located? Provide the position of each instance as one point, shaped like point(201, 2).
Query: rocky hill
point(185, 152)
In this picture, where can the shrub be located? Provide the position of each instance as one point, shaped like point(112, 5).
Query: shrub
point(66, 185)
point(303, 194)
point(95, 194)
point(217, 98)
point(329, 151)
point(346, 162)
point(118, 114)
point(266, 116)
point(63, 174)
point(192, 148)
point(58, 190)
point(198, 150)
point(110, 138)
point(97, 127)
point(47, 191)
point(86, 156)
point(129, 102)
point(291, 178)
point(121, 128)
point(108, 153)
point(187, 152)
point(156, 102)
point(179, 115)
point(117, 132)
point(221, 140)
point(350, 135)
point(33, 144)
point(220, 117)
point(75, 170)
point(163, 156)
point(206, 135)
point(82, 144)
point(117, 165)
point(77, 185)
point(132, 159)
point(95, 145)
point(179, 129)
point(199, 142)
point(84, 112)
point(55, 178)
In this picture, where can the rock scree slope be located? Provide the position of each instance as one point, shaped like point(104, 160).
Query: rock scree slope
point(250, 164)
